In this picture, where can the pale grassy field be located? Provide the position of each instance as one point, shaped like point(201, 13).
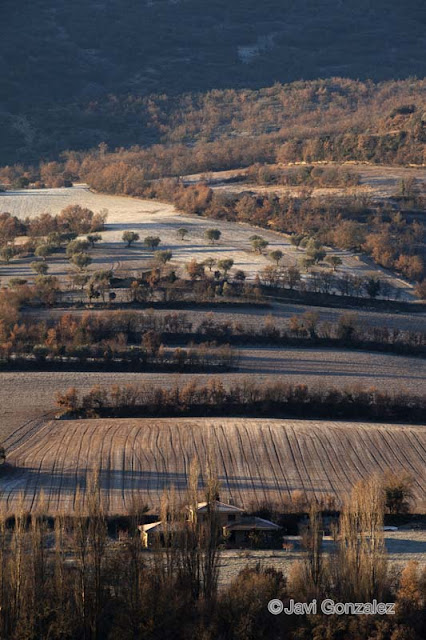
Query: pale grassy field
point(256, 460)
point(148, 217)
point(379, 182)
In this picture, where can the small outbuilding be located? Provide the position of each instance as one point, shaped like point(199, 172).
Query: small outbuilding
point(243, 530)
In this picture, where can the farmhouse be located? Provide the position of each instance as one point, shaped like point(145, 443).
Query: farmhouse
point(237, 528)
point(226, 513)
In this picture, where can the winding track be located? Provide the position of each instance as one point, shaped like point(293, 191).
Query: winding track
point(256, 460)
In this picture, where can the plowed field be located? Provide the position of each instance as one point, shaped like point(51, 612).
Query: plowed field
point(256, 460)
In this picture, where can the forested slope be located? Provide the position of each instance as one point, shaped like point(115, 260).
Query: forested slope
point(74, 74)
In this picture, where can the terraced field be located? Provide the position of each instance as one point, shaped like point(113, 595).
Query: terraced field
point(148, 217)
point(379, 182)
point(280, 312)
point(25, 396)
point(256, 460)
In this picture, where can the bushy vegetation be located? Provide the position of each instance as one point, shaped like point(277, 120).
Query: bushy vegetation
point(141, 337)
point(74, 220)
point(241, 398)
point(319, 120)
point(112, 60)
point(64, 577)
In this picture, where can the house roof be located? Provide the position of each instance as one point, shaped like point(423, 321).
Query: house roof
point(252, 522)
point(222, 507)
point(148, 527)
point(161, 527)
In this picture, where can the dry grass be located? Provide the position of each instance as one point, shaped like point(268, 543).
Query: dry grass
point(257, 460)
point(377, 181)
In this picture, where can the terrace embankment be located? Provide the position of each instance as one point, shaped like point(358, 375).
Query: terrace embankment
point(25, 396)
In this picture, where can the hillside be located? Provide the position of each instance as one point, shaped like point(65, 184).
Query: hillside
point(143, 216)
point(88, 65)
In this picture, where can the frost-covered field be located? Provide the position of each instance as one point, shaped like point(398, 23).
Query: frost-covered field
point(26, 396)
point(148, 217)
point(402, 546)
point(257, 460)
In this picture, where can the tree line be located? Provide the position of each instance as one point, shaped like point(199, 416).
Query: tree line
point(215, 398)
point(142, 337)
point(307, 175)
point(82, 342)
point(64, 577)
